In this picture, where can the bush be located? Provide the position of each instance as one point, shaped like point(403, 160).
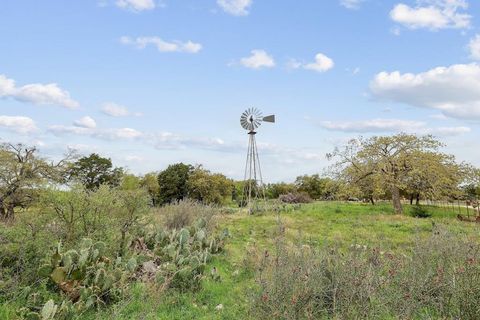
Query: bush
point(440, 279)
point(183, 213)
point(418, 211)
point(295, 197)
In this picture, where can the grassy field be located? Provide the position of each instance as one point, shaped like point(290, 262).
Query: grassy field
point(323, 223)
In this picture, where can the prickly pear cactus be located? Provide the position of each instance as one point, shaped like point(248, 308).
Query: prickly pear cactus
point(86, 276)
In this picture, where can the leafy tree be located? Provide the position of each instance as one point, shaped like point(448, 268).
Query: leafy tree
point(390, 159)
point(237, 191)
point(471, 186)
point(22, 173)
point(314, 185)
point(80, 212)
point(360, 186)
point(207, 187)
point(150, 183)
point(434, 175)
point(173, 183)
point(133, 204)
point(130, 181)
point(275, 190)
point(94, 170)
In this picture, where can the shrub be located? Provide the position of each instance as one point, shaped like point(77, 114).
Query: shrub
point(85, 277)
point(418, 211)
point(295, 197)
point(439, 279)
point(184, 213)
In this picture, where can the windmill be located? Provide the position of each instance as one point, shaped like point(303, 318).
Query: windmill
point(253, 189)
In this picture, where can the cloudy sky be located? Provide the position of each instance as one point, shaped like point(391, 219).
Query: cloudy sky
point(153, 82)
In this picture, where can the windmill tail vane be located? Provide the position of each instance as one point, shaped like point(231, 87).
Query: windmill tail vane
point(253, 190)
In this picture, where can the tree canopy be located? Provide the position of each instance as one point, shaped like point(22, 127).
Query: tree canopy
point(399, 162)
point(207, 187)
point(22, 173)
point(173, 182)
point(94, 170)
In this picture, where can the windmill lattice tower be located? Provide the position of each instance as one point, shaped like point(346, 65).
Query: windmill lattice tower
point(254, 188)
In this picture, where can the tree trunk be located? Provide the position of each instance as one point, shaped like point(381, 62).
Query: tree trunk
point(3, 213)
point(411, 199)
point(397, 204)
point(8, 214)
point(122, 242)
point(372, 201)
point(417, 202)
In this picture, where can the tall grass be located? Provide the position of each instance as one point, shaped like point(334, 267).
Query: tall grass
point(439, 278)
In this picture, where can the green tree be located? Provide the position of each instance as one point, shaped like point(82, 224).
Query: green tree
point(94, 170)
point(209, 188)
point(314, 185)
point(150, 183)
point(366, 187)
point(275, 190)
point(390, 159)
point(129, 181)
point(433, 175)
point(173, 183)
point(22, 175)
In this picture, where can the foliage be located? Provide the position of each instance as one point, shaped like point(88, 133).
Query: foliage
point(181, 255)
point(22, 173)
point(316, 187)
point(79, 212)
point(275, 190)
point(94, 170)
point(91, 275)
point(440, 280)
point(150, 183)
point(184, 213)
point(207, 187)
point(392, 162)
point(295, 197)
point(173, 183)
point(434, 176)
point(86, 278)
point(419, 211)
point(129, 181)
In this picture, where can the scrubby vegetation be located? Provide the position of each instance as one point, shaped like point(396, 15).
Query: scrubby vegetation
point(439, 278)
point(82, 239)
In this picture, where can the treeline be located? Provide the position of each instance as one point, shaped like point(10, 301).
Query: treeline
point(378, 168)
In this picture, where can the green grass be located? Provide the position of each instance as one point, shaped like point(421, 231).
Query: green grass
point(322, 223)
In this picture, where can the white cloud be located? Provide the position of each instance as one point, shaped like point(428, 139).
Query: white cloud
point(474, 47)
point(235, 7)
point(116, 110)
point(448, 131)
point(392, 125)
point(454, 90)
point(259, 59)
point(161, 45)
point(18, 124)
point(134, 158)
point(432, 14)
point(374, 125)
point(136, 5)
point(123, 133)
point(351, 4)
point(322, 63)
point(168, 140)
point(85, 122)
point(36, 93)
point(438, 116)
point(107, 134)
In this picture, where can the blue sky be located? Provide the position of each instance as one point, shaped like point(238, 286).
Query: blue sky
point(150, 82)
